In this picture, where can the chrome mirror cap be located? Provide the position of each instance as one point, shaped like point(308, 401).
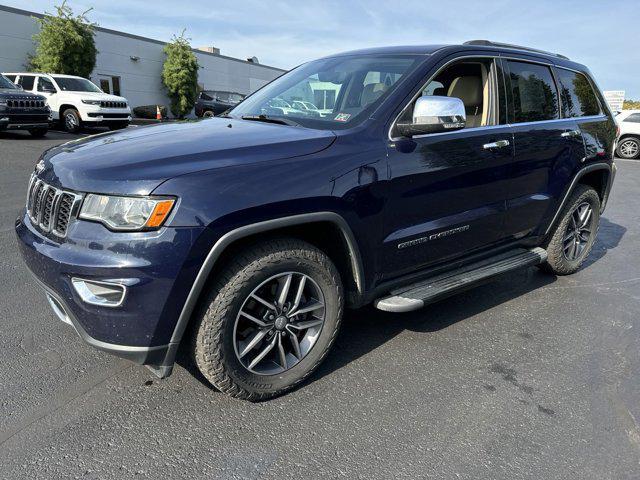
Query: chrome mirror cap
point(433, 114)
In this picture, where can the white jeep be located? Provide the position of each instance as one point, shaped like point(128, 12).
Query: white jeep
point(76, 101)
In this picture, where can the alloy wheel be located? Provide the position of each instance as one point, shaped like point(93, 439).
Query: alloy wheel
point(279, 323)
point(70, 120)
point(579, 231)
point(629, 148)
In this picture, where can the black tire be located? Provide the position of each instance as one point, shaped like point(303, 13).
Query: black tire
point(628, 148)
point(208, 114)
point(560, 260)
point(214, 343)
point(118, 125)
point(38, 132)
point(71, 120)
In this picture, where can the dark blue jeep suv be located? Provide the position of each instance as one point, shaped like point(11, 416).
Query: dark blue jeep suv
point(421, 171)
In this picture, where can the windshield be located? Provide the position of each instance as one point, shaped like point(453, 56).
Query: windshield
point(69, 84)
point(6, 83)
point(330, 93)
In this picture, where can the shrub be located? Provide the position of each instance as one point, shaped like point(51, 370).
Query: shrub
point(65, 44)
point(180, 75)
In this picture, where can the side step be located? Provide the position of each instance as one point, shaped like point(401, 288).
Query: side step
point(416, 296)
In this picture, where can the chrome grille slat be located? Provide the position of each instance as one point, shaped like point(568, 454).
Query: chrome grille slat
point(49, 208)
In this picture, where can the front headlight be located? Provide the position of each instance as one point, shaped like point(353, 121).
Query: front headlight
point(126, 213)
point(3, 104)
point(91, 102)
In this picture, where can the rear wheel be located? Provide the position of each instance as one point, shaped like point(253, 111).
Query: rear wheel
point(270, 319)
point(629, 147)
point(38, 132)
point(71, 120)
point(575, 233)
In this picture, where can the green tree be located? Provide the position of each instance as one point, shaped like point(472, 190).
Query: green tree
point(180, 75)
point(65, 44)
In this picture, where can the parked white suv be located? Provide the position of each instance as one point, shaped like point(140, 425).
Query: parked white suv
point(75, 101)
point(629, 138)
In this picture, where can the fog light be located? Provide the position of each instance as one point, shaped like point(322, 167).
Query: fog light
point(104, 294)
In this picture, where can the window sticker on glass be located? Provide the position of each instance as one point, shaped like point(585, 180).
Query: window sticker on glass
point(342, 117)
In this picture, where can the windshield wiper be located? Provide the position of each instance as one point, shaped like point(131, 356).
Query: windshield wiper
point(277, 120)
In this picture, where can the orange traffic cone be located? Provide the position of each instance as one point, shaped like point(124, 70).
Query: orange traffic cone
point(158, 113)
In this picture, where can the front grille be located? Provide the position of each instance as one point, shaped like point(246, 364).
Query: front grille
point(25, 103)
point(113, 104)
point(49, 208)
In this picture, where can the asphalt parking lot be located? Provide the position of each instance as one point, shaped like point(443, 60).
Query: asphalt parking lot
point(530, 376)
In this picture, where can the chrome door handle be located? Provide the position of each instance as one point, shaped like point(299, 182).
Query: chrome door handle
point(570, 133)
point(498, 144)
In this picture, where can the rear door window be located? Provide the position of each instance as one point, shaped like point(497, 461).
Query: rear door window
point(26, 81)
point(577, 95)
point(534, 93)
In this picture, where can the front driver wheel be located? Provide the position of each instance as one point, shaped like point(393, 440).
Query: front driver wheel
point(71, 120)
point(270, 319)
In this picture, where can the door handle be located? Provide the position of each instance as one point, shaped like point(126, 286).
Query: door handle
point(498, 144)
point(570, 133)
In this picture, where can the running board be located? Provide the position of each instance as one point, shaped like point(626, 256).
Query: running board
point(416, 296)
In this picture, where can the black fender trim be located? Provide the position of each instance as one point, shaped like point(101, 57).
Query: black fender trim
point(242, 232)
point(588, 168)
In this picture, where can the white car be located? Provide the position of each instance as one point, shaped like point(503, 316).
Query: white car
point(629, 138)
point(76, 101)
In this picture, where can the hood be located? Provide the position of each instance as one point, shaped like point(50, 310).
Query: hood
point(137, 160)
point(20, 94)
point(107, 97)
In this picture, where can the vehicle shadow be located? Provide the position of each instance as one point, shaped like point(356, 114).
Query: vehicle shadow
point(609, 236)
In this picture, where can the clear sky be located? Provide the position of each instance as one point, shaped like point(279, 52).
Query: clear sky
point(603, 35)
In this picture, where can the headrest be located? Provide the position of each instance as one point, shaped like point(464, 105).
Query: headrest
point(440, 92)
point(467, 89)
point(371, 92)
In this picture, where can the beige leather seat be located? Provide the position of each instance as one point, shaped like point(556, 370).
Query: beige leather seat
point(469, 90)
point(371, 92)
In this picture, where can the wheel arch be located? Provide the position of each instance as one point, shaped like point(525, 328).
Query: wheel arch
point(66, 106)
point(348, 260)
point(598, 175)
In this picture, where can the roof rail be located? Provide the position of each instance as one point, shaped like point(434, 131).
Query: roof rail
point(489, 43)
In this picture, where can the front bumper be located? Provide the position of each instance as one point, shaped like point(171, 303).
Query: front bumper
point(96, 114)
point(12, 120)
point(156, 268)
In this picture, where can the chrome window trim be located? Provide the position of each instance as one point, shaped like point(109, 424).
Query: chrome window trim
point(495, 56)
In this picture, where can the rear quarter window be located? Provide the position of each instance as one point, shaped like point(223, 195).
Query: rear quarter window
point(534, 93)
point(577, 95)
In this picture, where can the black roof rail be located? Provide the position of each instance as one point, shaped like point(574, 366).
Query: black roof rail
point(489, 43)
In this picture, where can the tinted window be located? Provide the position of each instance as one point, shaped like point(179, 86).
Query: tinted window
point(27, 81)
point(577, 95)
point(535, 97)
point(44, 84)
point(633, 118)
point(11, 77)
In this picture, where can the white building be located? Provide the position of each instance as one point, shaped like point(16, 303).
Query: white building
point(130, 65)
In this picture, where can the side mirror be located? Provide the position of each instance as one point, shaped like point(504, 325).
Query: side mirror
point(19, 86)
point(48, 90)
point(432, 114)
